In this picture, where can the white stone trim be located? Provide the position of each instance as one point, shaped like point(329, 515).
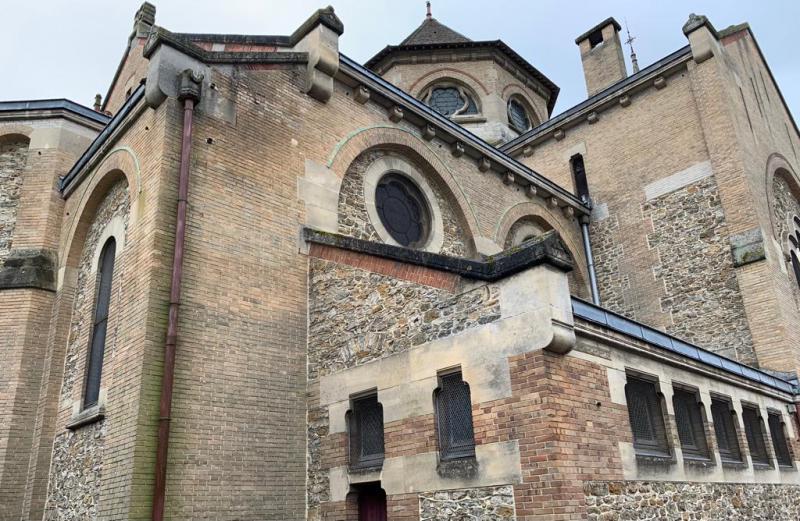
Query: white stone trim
point(387, 164)
point(498, 464)
point(667, 376)
point(115, 228)
point(678, 180)
point(319, 190)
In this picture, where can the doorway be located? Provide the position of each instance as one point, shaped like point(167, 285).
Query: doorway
point(371, 503)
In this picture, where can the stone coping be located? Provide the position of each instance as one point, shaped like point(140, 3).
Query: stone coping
point(29, 268)
point(546, 249)
point(661, 340)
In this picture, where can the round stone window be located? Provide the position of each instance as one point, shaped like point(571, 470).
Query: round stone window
point(403, 210)
point(518, 116)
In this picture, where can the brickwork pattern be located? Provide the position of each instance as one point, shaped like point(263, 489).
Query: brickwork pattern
point(677, 501)
point(354, 221)
point(77, 459)
point(608, 251)
point(696, 267)
point(356, 316)
point(13, 156)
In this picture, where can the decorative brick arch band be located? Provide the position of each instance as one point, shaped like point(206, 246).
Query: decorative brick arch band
point(779, 167)
point(406, 143)
point(447, 73)
point(120, 163)
point(540, 213)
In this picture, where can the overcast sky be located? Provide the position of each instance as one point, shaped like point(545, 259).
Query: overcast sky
point(70, 49)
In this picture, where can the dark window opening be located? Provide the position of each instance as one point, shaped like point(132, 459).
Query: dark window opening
point(725, 430)
point(518, 116)
point(94, 365)
point(402, 210)
point(794, 253)
point(579, 177)
point(454, 417)
point(451, 101)
point(779, 442)
point(646, 418)
point(371, 502)
point(595, 38)
point(689, 421)
point(755, 434)
point(366, 432)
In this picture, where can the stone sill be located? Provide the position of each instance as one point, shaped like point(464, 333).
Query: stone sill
point(85, 417)
point(699, 461)
point(365, 469)
point(468, 119)
point(787, 468)
point(762, 466)
point(654, 460)
point(731, 464)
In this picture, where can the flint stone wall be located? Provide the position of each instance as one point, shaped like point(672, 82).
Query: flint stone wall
point(12, 162)
point(76, 470)
point(471, 504)
point(696, 267)
point(678, 501)
point(354, 220)
point(356, 316)
point(77, 460)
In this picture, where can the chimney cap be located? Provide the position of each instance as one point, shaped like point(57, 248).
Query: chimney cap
point(608, 21)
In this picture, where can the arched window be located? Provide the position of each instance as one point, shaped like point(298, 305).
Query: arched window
point(579, 177)
point(518, 116)
point(449, 99)
point(97, 347)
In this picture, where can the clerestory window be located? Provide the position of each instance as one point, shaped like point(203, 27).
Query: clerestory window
point(451, 100)
point(689, 421)
point(753, 429)
point(725, 430)
point(646, 417)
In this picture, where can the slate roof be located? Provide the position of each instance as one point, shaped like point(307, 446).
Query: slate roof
point(432, 31)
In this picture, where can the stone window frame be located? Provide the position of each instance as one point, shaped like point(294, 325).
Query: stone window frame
point(463, 452)
point(400, 166)
point(771, 414)
point(354, 439)
point(660, 449)
point(701, 448)
point(464, 90)
point(81, 415)
point(529, 112)
point(728, 457)
point(755, 427)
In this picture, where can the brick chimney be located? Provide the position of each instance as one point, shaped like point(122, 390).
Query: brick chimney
point(601, 54)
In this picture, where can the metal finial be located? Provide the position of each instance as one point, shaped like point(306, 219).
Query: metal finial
point(428, 14)
point(629, 41)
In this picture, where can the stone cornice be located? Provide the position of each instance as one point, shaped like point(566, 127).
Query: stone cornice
point(547, 249)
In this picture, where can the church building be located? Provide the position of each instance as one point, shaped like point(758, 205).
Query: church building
point(259, 280)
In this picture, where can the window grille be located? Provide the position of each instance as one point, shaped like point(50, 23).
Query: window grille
point(755, 434)
point(94, 364)
point(725, 430)
point(646, 418)
point(689, 421)
point(450, 100)
point(366, 432)
point(794, 254)
point(403, 210)
point(454, 417)
point(779, 440)
point(518, 116)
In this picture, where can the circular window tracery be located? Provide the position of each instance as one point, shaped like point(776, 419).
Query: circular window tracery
point(451, 100)
point(402, 210)
point(518, 116)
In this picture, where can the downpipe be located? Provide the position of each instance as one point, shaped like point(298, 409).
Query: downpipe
point(189, 94)
point(587, 246)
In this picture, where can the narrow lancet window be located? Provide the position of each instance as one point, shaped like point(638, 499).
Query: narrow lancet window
point(97, 347)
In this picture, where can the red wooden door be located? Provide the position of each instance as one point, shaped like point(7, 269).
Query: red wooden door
point(372, 505)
